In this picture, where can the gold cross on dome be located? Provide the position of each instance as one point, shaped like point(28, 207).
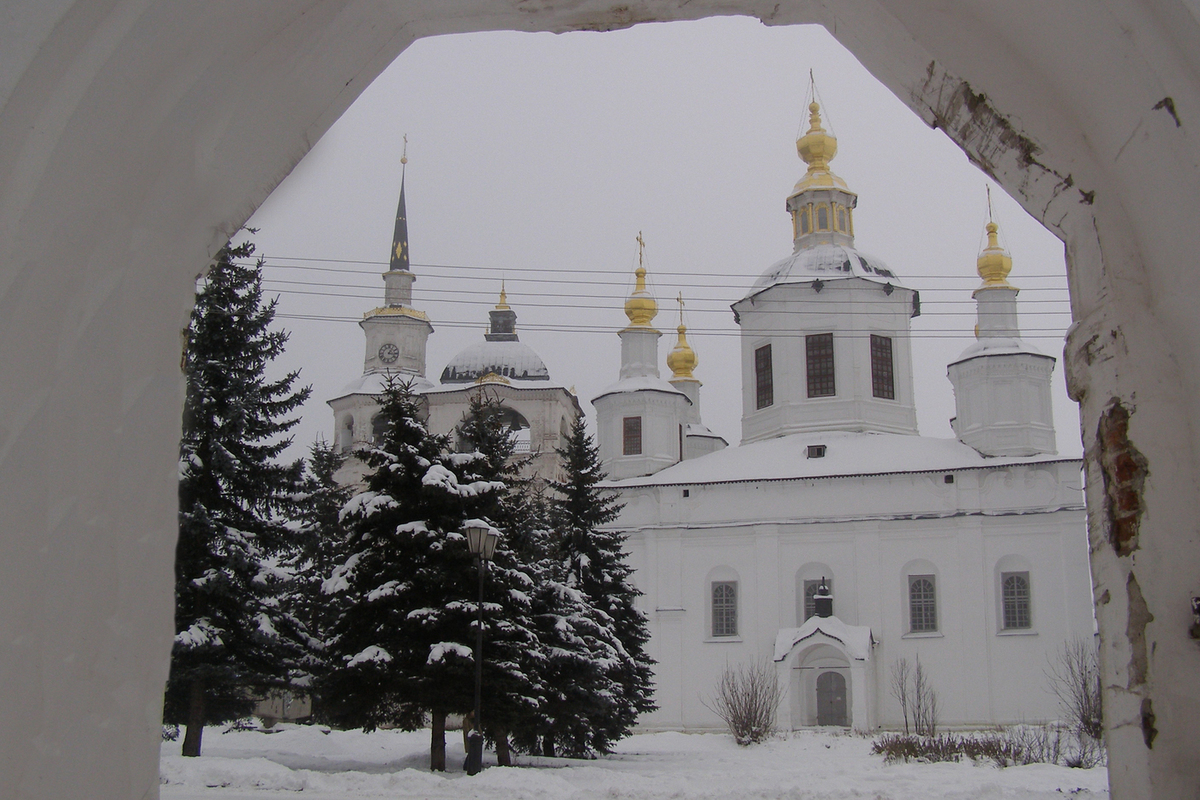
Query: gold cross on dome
point(641, 247)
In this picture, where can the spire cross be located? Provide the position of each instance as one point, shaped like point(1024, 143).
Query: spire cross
point(988, 186)
point(641, 247)
point(680, 299)
point(404, 155)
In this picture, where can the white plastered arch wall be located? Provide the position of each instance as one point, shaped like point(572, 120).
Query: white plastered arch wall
point(135, 135)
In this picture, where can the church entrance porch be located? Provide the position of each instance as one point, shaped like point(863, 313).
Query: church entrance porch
point(826, 671)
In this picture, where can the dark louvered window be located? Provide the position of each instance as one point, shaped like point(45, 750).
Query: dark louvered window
point(819, 352)
point(883, 383)
point(632, 436)
point(764, 382)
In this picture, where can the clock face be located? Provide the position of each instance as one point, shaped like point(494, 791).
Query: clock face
point(388, 353)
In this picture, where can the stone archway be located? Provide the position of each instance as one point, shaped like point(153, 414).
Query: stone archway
point(126, 158)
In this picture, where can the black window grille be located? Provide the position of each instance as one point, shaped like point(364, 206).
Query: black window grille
point(819, 352)
point(764, 381)
point(883, 382)
point(632, 436)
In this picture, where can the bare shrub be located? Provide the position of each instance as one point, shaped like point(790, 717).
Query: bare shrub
point(913, 690)
point(747, 698)
point(924, 703)
point(1016, 746)
point(899, 686)
point(1074, 676)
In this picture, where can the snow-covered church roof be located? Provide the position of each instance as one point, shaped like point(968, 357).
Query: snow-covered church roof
point(372, 383)
point(844, 454)
point(514, 360)
point(825, 262)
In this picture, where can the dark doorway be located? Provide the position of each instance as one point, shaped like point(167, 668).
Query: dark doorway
point(831, 699)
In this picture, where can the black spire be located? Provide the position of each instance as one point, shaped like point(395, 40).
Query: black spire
point(400, 237)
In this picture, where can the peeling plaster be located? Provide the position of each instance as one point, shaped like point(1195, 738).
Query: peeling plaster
point(1148, 729)
point(1124, 470)
point(1135, 630)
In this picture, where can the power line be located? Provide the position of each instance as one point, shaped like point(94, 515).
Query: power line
point(1032, 333)
point(277, 262)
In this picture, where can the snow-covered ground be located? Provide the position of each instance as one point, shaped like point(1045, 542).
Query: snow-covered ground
point(393, 764)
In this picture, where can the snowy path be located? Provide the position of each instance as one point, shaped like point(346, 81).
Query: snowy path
point(808, 765)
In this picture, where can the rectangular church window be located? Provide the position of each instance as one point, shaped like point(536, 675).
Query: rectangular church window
point(883, 383)
point(822, 217)
point(764, 383)
point(632, 436)
point(819, 356)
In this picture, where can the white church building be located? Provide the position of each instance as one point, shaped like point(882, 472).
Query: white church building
point(969, 554)
point(539, 412)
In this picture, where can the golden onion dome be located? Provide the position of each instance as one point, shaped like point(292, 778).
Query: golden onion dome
point(682, 358)
point(994, 262)
point(817, 148)
point(640, 307)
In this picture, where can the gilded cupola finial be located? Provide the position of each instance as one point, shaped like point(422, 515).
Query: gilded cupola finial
point(994, 262)
point(682, 359)
point(641, 308)
point(503, 304)
point(817, 148)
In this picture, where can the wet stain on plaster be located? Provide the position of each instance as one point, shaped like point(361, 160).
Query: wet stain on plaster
point(1124, 470)
point(984, 134)
point(1168, 104)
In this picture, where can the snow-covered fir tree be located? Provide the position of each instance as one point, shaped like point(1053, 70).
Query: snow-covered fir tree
point(403, 647)
point(594, 559)
point(233, 636)
point(322, 539)
point(513, 687)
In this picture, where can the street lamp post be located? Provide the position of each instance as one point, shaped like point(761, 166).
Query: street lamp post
point(481, 540)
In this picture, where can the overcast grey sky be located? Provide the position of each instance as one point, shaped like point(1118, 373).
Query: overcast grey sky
point(537, 158)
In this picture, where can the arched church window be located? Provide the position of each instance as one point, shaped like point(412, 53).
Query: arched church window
point(922, 604)
point(822, 217)
point(804, 219)
point(841, 219)
point(347, 438)
point(1015, 599)
point(724, 608)
point(378, 428)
